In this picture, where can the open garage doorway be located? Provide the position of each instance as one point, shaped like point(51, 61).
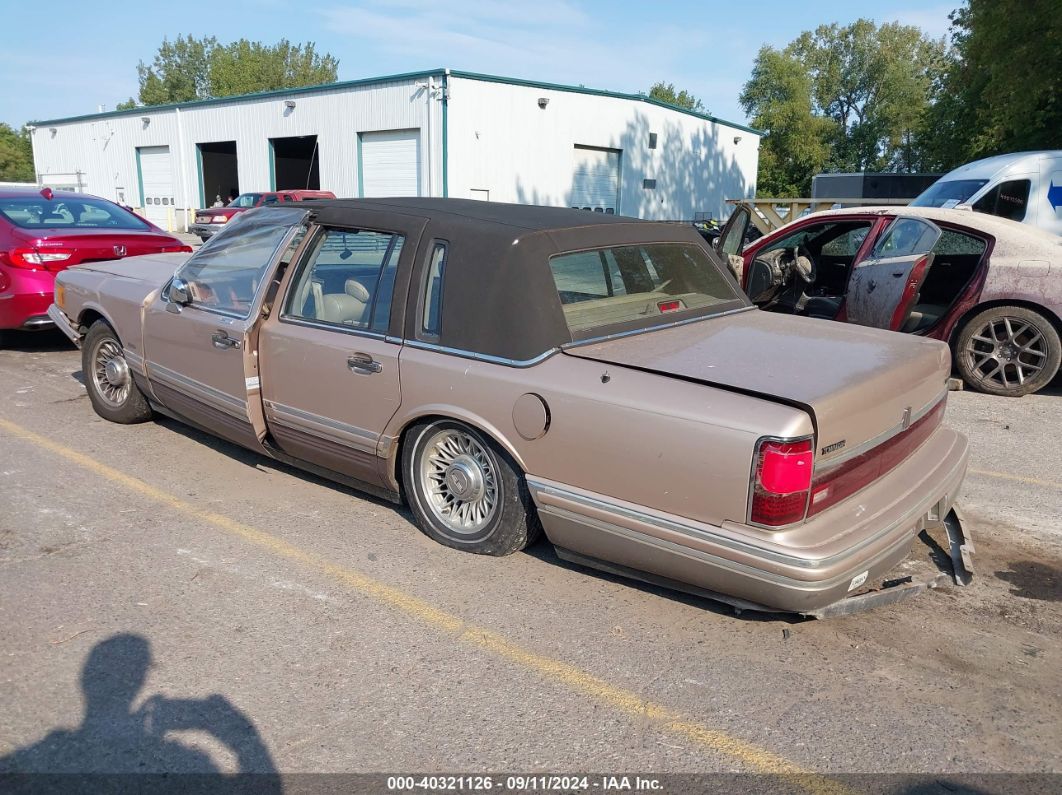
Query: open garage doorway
point(296, 164)
point(218, 173)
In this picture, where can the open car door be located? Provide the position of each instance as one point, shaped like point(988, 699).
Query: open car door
point(732, 239)
point(884, 286)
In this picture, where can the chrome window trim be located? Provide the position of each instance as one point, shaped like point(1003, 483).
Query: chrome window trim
point(351, 330)
point(673, 324)
point(826, 466)
point(482, 357)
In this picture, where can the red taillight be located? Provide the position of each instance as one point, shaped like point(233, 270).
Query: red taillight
point(781, 481)
point(172, 249)
point(670, 306)
point(55, 259)
point(839, 482)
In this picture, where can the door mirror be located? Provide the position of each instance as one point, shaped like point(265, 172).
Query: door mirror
point(180, 293)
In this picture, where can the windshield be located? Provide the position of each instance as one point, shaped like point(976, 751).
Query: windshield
point(246, 200)
point(639, 283)
point(63, 213)
point(948, 194)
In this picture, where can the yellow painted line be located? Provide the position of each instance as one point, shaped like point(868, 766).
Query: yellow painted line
point(988, 473)
point(626, 701)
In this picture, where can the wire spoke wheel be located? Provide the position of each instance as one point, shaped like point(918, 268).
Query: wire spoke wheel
point(110, 373)
point(459, 481)
point(1006, 352)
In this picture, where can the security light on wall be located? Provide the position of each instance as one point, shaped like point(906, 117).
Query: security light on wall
point(53, 131)
point(289, 104)
point(146, 120)
point(542, 102)
point(737, 140)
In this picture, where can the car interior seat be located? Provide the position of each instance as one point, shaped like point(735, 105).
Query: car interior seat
point(346, 307)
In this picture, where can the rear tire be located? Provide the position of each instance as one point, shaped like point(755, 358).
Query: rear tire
point(465, 491)
point(1008, 350)
point(111, 389)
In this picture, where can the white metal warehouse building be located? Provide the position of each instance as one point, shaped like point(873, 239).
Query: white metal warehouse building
point(437, 133)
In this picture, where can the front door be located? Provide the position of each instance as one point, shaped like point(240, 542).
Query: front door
point(329, 362)
point(732, 239)
point(884, 286)
point(200, 356)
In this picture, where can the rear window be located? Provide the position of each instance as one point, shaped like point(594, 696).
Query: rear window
point(62, 213)
point(639, 284)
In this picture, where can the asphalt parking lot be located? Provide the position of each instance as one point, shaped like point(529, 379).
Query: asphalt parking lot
point(282, 623)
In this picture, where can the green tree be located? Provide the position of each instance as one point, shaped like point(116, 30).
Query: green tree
point(665, 92)
point(1002, 90)
point(16, 155)
point(189, 68)
point(778, 98)
point(849, 98)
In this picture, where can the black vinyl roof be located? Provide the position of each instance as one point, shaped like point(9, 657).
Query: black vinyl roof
point(523, 216)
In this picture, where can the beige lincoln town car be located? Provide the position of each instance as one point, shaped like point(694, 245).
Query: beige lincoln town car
point(508, 370)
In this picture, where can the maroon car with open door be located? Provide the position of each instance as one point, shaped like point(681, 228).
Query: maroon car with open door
point(990, 287)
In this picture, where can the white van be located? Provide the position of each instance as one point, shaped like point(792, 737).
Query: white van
point(1023, 186)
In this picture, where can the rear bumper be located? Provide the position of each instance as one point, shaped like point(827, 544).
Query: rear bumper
point(205, 231)
point(757, 568)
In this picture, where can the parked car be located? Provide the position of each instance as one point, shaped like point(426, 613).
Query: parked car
point(44, 232)
point(507, 369)
point(989, 287)
point(1022, 186)
point(210, 221)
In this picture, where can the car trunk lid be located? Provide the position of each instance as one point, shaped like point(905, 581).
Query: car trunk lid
point(860, 385)
point(96, 245)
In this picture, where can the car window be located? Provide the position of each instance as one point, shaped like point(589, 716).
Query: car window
point(948, 193)
point(846, 244)
point(246, 200)
point(954, 243)
point(347, 279)
point(906, 237)
point(271, 199)
point(224, 275)
point(432, 303)
point(1007, 200)
point(31, 212)
point(620, 284)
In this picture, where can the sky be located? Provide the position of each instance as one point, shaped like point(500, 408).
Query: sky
point(85, 54)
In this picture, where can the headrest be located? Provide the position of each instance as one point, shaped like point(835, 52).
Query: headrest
point(356, 289)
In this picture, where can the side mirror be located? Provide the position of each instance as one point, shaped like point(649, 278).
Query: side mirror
point(180, 293)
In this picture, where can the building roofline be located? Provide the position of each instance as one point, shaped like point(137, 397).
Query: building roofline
point(142, 110)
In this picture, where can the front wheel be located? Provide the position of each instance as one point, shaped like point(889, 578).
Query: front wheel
point(1008, 350)
point(111, 389)
point(465, 491)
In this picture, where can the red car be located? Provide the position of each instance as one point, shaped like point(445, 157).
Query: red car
point(44, 232)
point(987, 286)
point(212, 220)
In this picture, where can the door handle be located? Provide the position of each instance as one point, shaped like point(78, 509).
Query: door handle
point(223, 341)
point(363, 363)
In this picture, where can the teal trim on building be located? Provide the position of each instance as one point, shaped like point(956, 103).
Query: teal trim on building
point(445, 134)
point(199, 167)
point(140, 177)
point(272, 166)
point(361, 179)
point(442, 73)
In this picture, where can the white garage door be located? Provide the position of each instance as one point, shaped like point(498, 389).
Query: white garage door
point(156, 179)
point(595, 179)
point(390, 163)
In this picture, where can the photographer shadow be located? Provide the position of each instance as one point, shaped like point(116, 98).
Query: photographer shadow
point(115, 740)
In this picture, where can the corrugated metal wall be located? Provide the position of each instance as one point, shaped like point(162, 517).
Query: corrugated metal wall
point(104, 149)
point(501, 141)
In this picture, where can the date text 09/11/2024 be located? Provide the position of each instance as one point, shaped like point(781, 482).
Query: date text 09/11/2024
point(517, 783)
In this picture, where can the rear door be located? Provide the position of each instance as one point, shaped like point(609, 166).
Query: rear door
point(201, 359)
point(884, 285)
point(329, 356)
